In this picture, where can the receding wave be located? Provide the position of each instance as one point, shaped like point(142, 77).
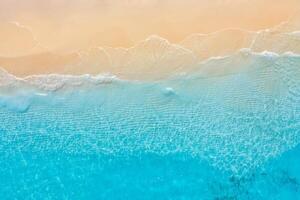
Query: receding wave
point(242, 108)
point(241, 61)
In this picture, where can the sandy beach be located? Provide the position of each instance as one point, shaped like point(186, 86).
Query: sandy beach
point(139, 39)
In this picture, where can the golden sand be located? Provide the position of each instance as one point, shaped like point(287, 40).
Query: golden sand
point(61, 36)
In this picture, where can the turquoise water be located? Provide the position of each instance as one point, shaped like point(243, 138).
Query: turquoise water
point(189, 137)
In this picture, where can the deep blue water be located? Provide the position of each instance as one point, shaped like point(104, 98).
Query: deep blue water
point(231, 137)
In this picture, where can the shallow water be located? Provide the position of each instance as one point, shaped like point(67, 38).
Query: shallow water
point(189, 137)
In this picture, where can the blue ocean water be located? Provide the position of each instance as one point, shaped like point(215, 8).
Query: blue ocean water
point(191, 137)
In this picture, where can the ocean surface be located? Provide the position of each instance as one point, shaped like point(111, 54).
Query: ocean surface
point(189, 136)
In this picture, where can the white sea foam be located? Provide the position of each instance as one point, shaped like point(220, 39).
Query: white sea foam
point(57, 81)
point(53, 82)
